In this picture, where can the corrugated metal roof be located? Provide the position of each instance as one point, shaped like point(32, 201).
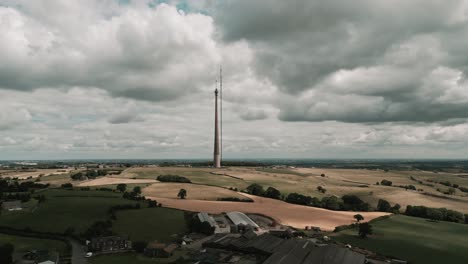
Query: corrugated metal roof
point(240, 218)
point(204, 217)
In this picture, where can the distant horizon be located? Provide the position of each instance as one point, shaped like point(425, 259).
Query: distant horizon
point(241, 159)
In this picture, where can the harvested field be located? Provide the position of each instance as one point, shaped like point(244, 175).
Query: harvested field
point(287, 214)
point(33, 174)
point(112, 181)
point(360, 182)
point(194, 191)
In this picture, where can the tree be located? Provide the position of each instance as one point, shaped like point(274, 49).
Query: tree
point(365, 229)
point(121, 187)
point(383, 206)
point(137, 190)
point(386, 183)
point(272, 193)
point(255, 189)
point(358, 217)
point(6, 253)
point(451, 191)
point(321, 189)
point(396, 209)
point(182, 194)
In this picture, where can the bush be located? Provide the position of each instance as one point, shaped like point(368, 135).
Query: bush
point(386, 183)
point(272, 193)
point(255, 189)
point(67, 185)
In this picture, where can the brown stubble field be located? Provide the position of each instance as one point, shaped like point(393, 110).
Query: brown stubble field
point(337, 182)
point(297, 216)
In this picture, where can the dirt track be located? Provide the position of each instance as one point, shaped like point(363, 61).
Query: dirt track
point(297, 216)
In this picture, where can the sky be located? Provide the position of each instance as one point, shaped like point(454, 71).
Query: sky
point(301, 78)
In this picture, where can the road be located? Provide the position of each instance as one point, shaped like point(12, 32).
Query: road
point(78, 253)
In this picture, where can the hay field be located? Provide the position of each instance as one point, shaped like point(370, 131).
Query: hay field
point(194, 191)
point(112, 181)
point(361, 182)
point(297, 216)
point(33, 174)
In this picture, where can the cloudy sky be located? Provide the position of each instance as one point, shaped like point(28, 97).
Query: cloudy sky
point(302, 78)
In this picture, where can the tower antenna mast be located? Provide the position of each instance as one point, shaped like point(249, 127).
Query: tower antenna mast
point(221, 109)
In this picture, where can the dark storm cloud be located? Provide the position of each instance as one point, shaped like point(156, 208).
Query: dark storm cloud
point(357, 61)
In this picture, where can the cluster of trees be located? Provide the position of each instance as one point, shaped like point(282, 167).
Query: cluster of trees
point(173, 178)
point(99, 228)
point(91, 174)
point(346, 203)
point(257, 189)
point(436, 214)
point(24, 197)
point(135, 194)
point(385, 206)
point(7, 185)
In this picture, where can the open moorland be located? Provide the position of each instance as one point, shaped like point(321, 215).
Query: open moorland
point(414, 239)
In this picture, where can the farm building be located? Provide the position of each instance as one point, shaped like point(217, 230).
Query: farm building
point(241, 222)
point(12, 205)
point(110, 243)
point(285, 251)
point(156, 249)
point(204, 217)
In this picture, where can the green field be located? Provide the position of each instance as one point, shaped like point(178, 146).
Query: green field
point(149, 224)
point(23, 244)
point(63, 209)
point(133, 259)
point(414, 239)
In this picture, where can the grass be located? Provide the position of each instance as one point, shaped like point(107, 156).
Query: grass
point(23, 244)
point(149, 224)
point(133, 258)
point(414, 239)
point(63, 209)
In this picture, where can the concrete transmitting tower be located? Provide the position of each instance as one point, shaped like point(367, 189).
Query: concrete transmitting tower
point(216, 153)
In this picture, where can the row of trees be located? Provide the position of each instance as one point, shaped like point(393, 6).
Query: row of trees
point(436, 214)
point(257, 189)
point(172, 178)
point(91, 174)
point(10, 186)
